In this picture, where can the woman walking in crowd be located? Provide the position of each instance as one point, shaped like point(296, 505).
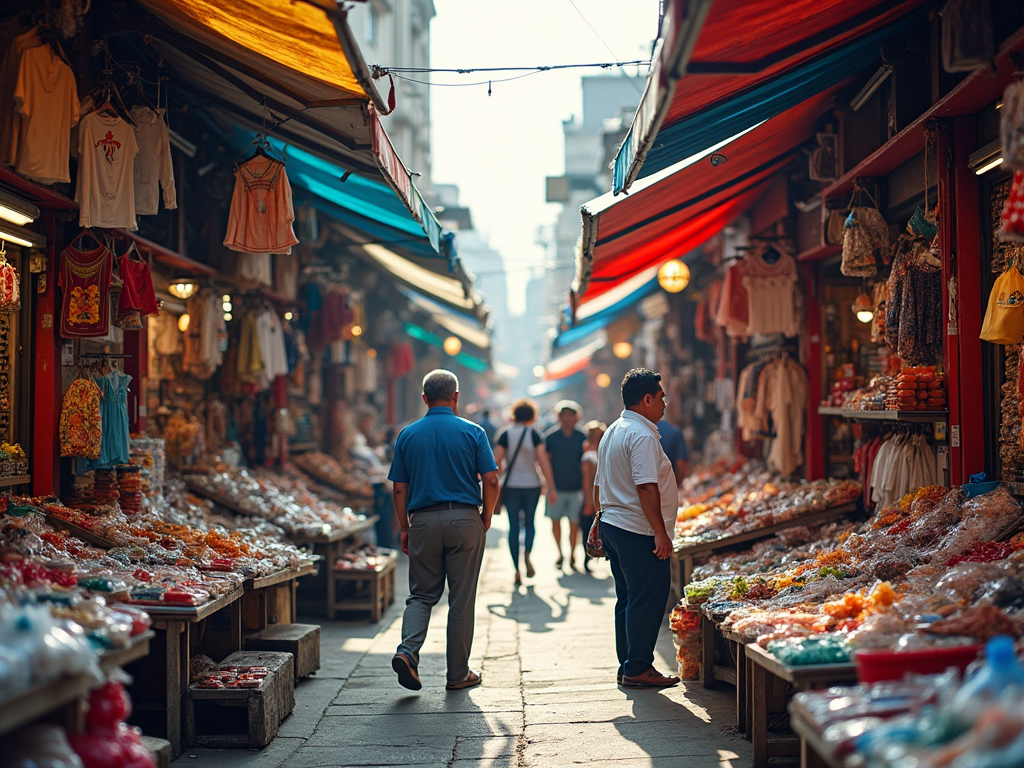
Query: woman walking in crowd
point(521, 448)
point(594, 431)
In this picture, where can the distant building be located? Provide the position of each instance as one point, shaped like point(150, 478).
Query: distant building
point(606, 101)
point(396, 33)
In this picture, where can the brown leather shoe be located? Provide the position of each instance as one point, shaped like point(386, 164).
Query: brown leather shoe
point(652, 678)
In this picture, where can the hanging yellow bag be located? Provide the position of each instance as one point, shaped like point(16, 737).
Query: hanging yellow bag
point(1004, 318)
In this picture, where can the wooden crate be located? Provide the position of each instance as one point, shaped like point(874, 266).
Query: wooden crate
point(302, 641)
point(242, 717)
point(160, 749)
point(370, 589)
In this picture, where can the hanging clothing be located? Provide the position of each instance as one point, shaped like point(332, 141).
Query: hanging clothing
point(46, 99)
point(903, 464)
point(261, 215)
point(254, 268)
point(270, 335)
point(10, 119)
point(785, 399)
point(167, 336)
point(733, 311)
point(914, 315)
point(770, 291)
point(250, 353)
point(153, 167)
point(137, 293)
point(114, 421)
point(80, 430)
point(203, 350)
point(106, 172)
point(84, 279)
point(286, 275)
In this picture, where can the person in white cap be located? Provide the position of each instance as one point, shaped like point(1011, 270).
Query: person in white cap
point(564, 445)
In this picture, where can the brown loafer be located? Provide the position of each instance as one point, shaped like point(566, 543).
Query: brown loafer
point(407, 674)
point(471, 679)
point(652, 678)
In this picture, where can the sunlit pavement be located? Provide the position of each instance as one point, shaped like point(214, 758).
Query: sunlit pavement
point(549, 698)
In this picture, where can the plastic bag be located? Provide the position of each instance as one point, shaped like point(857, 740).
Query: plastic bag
point(1004, 318)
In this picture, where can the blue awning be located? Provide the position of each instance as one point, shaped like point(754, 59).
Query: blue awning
point(465, 325)
point(547, 387)
point(695, 133)
point(610, 306)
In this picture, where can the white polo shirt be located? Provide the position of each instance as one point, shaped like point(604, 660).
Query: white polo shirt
point(630, 454)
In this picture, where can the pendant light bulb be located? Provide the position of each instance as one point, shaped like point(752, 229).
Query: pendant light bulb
point(863, 308)
point(182, 288)
point(183, 321)
point(622, 349)
point(603, 380)
point(453, 345)
point(674, 276)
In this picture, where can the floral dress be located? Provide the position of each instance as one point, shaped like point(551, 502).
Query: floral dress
point(80, 421)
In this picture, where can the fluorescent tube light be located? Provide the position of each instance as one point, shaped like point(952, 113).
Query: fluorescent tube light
point(870, 87)
point(16, 210)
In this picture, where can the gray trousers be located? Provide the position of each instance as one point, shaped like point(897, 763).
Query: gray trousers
point(444, 544)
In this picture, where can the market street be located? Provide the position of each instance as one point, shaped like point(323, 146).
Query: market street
point(548, 698)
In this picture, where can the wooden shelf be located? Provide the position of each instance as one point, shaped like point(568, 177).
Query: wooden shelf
point(804, 675)
point(13, 480)
point(280, 577)
point(191, 613)
point(32, 703)
point(857, 415)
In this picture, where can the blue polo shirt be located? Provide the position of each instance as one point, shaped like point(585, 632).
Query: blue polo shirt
point(673, 442)
point(440, 457)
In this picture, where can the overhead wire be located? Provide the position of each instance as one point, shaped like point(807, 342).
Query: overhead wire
point(603, 41)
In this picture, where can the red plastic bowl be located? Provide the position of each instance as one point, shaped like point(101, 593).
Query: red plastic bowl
point(873, 666)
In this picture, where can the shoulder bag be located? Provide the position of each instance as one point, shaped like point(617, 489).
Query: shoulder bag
point(508, 472)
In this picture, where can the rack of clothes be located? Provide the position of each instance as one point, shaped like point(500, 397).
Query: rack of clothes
point(771, 404)
point(94, 413)
point(896, 461)
point(758, 292)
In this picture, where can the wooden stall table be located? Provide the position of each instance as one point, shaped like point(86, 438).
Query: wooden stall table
point(271, 599)
point(375, 587)
point(814, 751)
point(771, 683)
point(684, 556)
point(713, 638)
point(739, 644)
point(330, 544)
point(167, 670)
point(63, 698)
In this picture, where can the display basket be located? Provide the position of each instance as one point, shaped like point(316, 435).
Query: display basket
point(12, 468)
point(875, 666)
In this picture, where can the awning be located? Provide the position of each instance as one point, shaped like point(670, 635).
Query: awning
point(290, 61)
point(573, 362)
point(681, 209)
point(427, 337)
point(726, 68)
point(598, 314)
point(449, 291)
point(465, 326)
point(547, 387)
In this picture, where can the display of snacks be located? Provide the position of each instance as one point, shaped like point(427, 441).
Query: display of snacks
point(918, 389)
point(148, 453)
point(348, 479)
point(927, 571)
point(365, 557)
point(686, 626)
point(750, 497)
point(283, 500)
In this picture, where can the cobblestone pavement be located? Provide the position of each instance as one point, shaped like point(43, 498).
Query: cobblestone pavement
point(548, 699)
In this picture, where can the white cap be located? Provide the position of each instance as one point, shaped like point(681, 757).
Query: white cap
point(568, 405)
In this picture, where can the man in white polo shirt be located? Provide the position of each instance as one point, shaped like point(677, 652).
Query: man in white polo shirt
point(635, 489)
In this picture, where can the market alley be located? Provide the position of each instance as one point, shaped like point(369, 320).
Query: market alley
point(546, 653)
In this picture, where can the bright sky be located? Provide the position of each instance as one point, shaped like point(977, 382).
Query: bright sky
point(499, 148)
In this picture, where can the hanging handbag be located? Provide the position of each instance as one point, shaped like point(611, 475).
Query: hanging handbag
point(508, 473)
point(594, 546)
point(1004, 318)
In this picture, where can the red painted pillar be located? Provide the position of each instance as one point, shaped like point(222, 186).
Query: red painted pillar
point(963, 351)
point(814, 437)
point(45, 465)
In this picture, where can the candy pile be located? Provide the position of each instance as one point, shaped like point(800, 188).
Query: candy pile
point(367, 557)
point(232, 677)
point(348, 479)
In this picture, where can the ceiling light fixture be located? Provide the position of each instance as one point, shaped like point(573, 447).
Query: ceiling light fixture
point(986, 158)
point(870, 87)
point(182, 288)
point(26, 238)
point(16, 210)
point(674, 276)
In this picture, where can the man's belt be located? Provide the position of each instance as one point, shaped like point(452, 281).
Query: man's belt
point(444, 505)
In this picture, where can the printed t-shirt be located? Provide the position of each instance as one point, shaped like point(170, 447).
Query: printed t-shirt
point(106, 167)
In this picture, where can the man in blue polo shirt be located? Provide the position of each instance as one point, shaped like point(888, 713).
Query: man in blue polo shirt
point(438, 464)
point(674, 444)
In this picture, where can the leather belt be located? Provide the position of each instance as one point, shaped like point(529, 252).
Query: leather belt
point(444, 505)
